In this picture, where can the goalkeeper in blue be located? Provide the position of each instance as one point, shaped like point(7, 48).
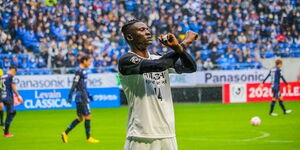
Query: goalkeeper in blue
point(275, 74)
point(82, 98)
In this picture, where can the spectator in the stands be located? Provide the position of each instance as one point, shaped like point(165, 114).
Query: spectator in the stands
point(41, 62)
point(231, 62)
point(18, 47)
point(3, 37)
point(5, 63)
point(242, 28)
point(32, 63)
point(223, 62)
point(15, 61)
point(71, 62)
point(208, 65)
point(7, 47)
point(256, 63)
point(58, 60)
point(24, 64)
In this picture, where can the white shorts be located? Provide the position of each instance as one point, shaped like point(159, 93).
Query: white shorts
point(134, 143)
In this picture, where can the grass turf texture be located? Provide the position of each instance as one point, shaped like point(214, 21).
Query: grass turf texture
point(198, 126)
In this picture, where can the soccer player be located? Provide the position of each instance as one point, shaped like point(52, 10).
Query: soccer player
point(1, 114)
point(82, 99)
point(145, 80)
point(8, 88)
point(1, 104)
point(275, 74)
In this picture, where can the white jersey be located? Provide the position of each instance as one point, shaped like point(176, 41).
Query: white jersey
point(151, 113)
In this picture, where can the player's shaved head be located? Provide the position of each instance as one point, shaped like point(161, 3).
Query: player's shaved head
point(126, 27)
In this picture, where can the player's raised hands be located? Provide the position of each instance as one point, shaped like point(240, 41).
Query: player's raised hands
point(190, 37)
point(170, 40)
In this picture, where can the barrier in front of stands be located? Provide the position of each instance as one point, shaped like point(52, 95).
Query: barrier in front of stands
point(51, 91)
point(251, 92)
point(57, 98)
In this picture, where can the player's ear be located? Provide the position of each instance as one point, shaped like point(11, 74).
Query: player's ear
point(129, 37)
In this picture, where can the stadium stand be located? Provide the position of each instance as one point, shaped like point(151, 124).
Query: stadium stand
point(235, 34)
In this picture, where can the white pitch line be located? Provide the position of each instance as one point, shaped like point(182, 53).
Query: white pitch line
point(279, 141)
point(264, 135)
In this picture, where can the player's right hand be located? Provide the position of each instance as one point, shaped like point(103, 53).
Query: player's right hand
point(170, 40)
point(261, 85)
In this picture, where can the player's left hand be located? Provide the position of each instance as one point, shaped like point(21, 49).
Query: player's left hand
point(261, 85)
point(20, 99)
point(170, 40)
point(289, 86)
point(190, 37)
point(17, 99)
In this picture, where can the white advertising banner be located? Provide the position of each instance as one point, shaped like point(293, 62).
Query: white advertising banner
point(110, 79)
point(64, 81)
point(217, 77)
point(183, 80)
point(231, 76)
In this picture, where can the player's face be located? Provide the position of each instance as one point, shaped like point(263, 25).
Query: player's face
point(13, 72)
point(279, 65)
point(87, 63)
point(141, 35)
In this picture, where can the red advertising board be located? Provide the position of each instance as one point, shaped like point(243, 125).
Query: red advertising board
point(233, 93)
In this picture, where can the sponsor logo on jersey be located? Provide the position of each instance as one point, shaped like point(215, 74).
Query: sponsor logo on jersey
point(135, 59)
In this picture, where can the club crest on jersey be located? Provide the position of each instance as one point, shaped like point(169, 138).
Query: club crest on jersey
point(135, 59)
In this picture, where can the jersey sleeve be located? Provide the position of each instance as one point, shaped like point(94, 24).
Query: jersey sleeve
point(77, 77)
point(12, 80)
point(283, 79)
point(132, 64)
point(267, 77)
point(185, 64)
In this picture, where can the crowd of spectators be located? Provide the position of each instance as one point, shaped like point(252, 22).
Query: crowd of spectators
point(235, 34)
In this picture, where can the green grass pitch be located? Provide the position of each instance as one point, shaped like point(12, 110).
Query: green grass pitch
point(198, 127)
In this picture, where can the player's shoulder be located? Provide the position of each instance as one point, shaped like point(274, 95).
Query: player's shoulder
point(273, 69)
point(79, 71)
point(126, 56)
point(10, 76)
point(5, 77)
point(129, 58)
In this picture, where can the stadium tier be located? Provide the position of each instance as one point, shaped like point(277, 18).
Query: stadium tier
point(235, 34)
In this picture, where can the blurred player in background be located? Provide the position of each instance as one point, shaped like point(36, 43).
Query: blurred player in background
point(275, 74)
point(1, 104)
point(1, 113)
point(8, 89)
point(145, 80)
point(82, 98)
